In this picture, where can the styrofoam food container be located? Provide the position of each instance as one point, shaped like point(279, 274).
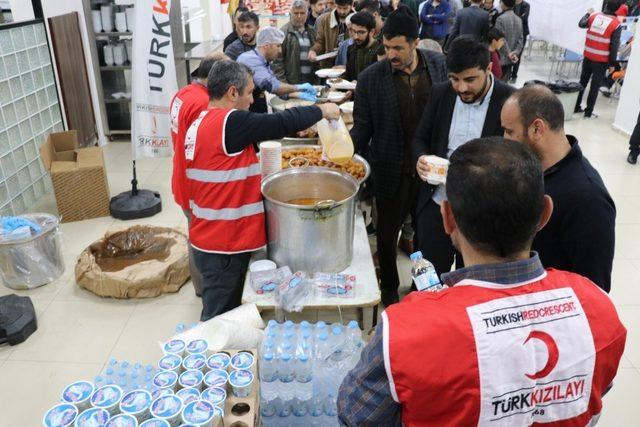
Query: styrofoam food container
point(167, 408)
point(262, 265)
point(242, 360)
point(188, 395)
point(218, 361)
point(93, 417)
point(107, 397)
point(330, 73)
point(199, 413)
point(214, 395)
point(174, 347)
point(241, 382)
point(216, 378)
point(199, 346)
point(79, 394)
point(137, 404)
point(61, 415)
point(122, 420)
point(191, 378)
point(166, 379)
point(195, 361)
point(170, 362)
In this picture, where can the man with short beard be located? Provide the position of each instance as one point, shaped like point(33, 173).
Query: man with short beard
point(248, 25)
point(466, 107)
point(316, 8)
point(331, 31)
point(233, 35)
point(363, 52)
point(580, 236)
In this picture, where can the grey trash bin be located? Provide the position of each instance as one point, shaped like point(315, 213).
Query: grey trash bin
point(34, 261)
point(567, 93)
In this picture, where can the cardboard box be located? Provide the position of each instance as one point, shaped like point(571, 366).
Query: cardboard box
point(243, 411)
point(78, 175)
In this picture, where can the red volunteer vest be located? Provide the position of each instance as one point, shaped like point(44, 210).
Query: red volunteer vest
point(185, 107)
point(601, 27)
point(227, 213)
point(479, 353)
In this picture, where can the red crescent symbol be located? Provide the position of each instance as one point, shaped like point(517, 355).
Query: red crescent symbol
point(552, 350)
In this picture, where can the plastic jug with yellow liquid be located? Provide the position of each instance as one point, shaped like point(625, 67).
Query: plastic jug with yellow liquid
point(337, 145)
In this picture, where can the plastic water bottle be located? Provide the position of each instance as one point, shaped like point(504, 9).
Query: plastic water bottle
point(303, 369)
point(180, 328)
point(268, 370)
point(110, 376)
point(337, 341)
point(320, 328)
point(286, 372)
point(424, 274)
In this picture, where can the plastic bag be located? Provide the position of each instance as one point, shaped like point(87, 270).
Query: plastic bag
point(292, 292)
point(266, 281)
point(330, 285)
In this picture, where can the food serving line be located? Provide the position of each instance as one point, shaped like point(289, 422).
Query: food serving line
point(313, 224)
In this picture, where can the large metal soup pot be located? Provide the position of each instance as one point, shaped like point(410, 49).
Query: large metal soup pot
point(310, 216)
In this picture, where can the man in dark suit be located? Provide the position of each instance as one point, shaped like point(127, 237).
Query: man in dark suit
point(522, 9)
point(389, 100)
point(465, 108)
point(473, 20)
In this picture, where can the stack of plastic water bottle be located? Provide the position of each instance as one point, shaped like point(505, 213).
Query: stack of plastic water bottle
point(301, 368)
point(126, 375)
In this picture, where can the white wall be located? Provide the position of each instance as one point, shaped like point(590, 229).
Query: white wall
point(22, 10)
point(629, 102)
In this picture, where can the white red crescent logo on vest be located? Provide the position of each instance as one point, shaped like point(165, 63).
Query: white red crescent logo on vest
point(552, 349)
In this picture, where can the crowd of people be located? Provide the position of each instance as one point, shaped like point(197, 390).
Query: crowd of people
point(523, 216)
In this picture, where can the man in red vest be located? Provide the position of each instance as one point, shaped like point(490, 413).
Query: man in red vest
point(185, 107)
point(508, 343)
point(600, 51)
point(223, 180)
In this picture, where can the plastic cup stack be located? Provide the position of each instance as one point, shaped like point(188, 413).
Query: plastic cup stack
point(270, 157)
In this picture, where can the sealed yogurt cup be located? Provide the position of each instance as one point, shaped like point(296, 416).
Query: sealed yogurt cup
point(242, 360)
point(174, 347)
point(216, 378)
point(241, 382)
point(93, 417)
point(218, 361)
point(438, 168)
point(199, 413)
point(188, 395)
point(122, 420)
point(214, 395)
point(137, 404)
point(79, 394)
point(194, 361)
point(62, 415)
point(107, 397)
point(191, 378)
point(170, 362)
point(155, 422)
point(160, 392)
point(198, 346)
point(167, 408)
point(166, 379)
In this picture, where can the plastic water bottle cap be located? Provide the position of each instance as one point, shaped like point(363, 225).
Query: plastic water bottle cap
point(268, 357)
point(286, 357)
point(353, 325)
point(272, 323)
point(113, 362)
point(288, 324)
point(109, 371)
point(138, 365)
point(125, 364)
point(336, 330)
point(323, 336)
point(305, 324)
point(303, 358)
point(321, 325)
point(122, 374)
point(98, 379)
point(416, 256)
point(148, 368)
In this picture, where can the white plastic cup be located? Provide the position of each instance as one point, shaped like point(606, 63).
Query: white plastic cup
point(270, 157)
point(170, 362)
point(137, 403)
point(196, 361)
point(61, 415)
point(241, 382)
point(159, 392)
point(106, 12)
point(166, 379)
point(121, 22)
point(216, 378)
point(108, 54)
point(199, 413)
point(218, 361)
point(93, 417)
point(79, 394)
point(214, 395)
point(168, 408)
point(174, 347)
point(96, 18)
point(108, 398)
point(198, 346)
point(191, 379)
point(131, 18)
point(242, 360)
point(188, 395)
point(122, 420)
point(262, 265)
point(438, 168)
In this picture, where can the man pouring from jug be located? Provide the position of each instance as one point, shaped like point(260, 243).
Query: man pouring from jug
point(223, 180)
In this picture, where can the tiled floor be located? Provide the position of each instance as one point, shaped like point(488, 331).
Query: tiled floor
point(78, 332)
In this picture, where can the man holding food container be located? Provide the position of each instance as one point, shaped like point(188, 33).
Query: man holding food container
point(223, 180)
point(466, 107)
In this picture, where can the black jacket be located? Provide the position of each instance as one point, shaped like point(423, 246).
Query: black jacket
point(522, 10)
point(470, 20)
point(432, 134)
point(377, 132)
